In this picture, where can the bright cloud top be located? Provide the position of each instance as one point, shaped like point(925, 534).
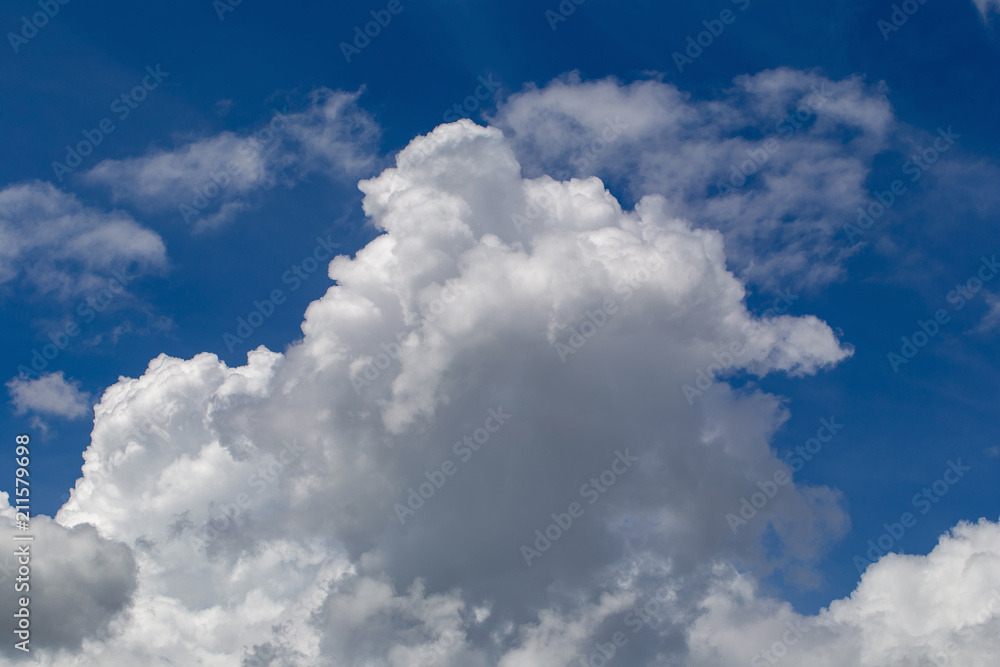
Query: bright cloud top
point(777, 162)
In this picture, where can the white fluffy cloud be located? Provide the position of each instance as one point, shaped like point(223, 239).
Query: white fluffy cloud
point(777, 163)
point(49, 394)
point(494, 380)
point(62, 249)
point(211, 180)
point(940, 609)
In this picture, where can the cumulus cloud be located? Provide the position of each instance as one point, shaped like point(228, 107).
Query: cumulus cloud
point(275, 506)
point(481, 452)
point(777, 162)
point(210, 180)
point(939, 609)
point(49, 394)
point(79, 585)
point(62, 249)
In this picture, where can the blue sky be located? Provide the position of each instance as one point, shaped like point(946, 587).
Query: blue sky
point(213, 79)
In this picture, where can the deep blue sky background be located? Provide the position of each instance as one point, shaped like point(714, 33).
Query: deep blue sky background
point(941, 70)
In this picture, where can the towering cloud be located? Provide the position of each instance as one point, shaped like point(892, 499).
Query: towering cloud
point(375, 492)
point(506, 437)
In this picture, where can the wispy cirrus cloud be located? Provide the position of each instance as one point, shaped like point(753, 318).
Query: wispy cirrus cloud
point(985, 7)
point(209, 181)
point(53, 244)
